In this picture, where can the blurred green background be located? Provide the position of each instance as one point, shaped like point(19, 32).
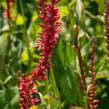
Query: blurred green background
point(18, 55)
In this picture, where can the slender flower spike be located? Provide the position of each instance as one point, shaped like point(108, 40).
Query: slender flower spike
point(26, 92)
point(49, 15)
point(92, 102)
point(81, 64)
point(106, 26)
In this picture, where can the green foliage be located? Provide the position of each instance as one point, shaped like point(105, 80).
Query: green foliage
point(63, 89)
point(9, 98)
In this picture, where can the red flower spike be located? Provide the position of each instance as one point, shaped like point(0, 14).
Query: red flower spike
point(106, 26)
point(50, 16)
point(92, 102)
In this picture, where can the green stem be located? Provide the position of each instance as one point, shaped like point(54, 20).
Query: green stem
point(25, 38)
point(86, 101)
point(54, 85)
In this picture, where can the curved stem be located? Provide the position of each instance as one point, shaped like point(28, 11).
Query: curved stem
point(25, 38)
point(54, 85)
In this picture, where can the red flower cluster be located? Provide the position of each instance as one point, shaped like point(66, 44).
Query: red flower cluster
point(49, 15)
point(26, 92)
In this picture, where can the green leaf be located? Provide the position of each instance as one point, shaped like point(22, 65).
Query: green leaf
point(8, 79)
point(63, 11)
point(63, 2)
point(71, 81)
point(9, 98)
